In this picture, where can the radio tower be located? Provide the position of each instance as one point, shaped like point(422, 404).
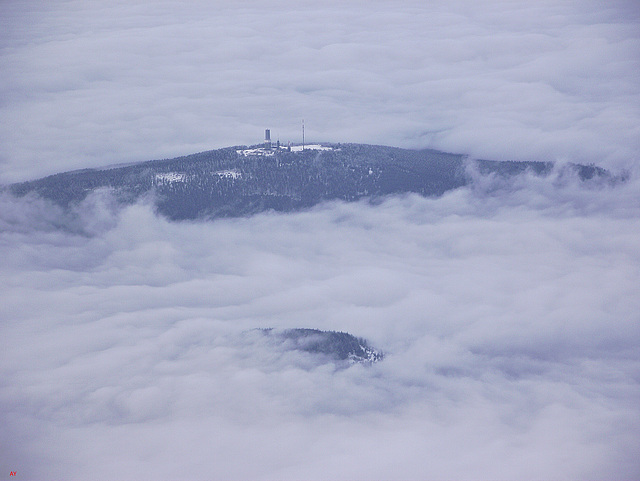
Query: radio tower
point(302, 134)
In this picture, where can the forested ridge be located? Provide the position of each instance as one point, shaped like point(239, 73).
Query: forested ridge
point(229, 182)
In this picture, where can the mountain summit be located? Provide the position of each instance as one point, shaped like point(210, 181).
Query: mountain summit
point(324, 346)
point(244, 180)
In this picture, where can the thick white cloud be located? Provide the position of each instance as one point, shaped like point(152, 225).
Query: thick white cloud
point(93, 83)
point(509, 319)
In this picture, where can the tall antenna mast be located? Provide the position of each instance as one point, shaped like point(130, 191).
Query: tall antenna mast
point(302, 134)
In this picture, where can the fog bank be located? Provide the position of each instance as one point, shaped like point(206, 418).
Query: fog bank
point(509, 323)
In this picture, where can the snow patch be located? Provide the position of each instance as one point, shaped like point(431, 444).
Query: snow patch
point(259, 151)
point(228, 174)
point(299, 148)
point(170, 177)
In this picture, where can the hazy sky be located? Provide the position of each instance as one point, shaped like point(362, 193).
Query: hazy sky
point(508, 311)
point(99, 82)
